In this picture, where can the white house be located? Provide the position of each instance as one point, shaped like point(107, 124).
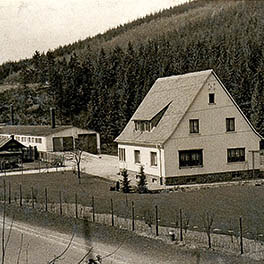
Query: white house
point(189, 126)
point(51, 138)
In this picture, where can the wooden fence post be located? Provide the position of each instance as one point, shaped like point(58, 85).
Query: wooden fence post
point(93, 209)
point(157, 220)
point(9, 192)
point(76, 205)
point(20, 195)
point(112, 212)
point(181, 237)
point(60, 203)
point(4, 183)
point(133, 216)
point(241, 236)
point(32, 197)
point(46, 199)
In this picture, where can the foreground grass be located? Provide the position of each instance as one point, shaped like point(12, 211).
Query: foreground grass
point(96, 233)
point(225, 204)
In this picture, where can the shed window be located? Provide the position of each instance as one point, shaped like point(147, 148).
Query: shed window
point(153, 159)
point(189, 158)
point(211, 98)
point(230, 124)
point(194, 126)
point(122, 154)
point(137, 156)
point(236, 155)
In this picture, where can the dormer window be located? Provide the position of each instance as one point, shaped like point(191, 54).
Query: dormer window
point(211, 98)
point(143, 125)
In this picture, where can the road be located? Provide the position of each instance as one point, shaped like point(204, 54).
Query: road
point(41, 245)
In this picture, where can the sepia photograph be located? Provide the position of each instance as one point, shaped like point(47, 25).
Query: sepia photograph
point(131, 131)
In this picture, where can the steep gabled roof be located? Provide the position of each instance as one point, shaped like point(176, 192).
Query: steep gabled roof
point(176, 92)
point(4, 141)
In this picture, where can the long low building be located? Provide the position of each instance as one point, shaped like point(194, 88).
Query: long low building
point(50, 138)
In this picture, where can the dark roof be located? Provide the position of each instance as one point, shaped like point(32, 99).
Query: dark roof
point(175, 92)
point(4, 141)
point(31, 130)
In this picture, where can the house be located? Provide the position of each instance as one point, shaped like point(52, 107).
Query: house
point(48, 138)
point(11, 152)
point(53, 138)
point(189, 127)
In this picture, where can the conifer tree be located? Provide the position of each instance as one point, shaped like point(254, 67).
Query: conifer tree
point(126, 188)
point(142, 183)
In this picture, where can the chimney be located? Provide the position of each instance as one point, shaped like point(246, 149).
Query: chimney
point(52, 117)
point(11, 114)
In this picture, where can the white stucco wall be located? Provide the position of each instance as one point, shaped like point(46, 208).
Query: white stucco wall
point(145, 151)
point(212, 137)
point(40, 146)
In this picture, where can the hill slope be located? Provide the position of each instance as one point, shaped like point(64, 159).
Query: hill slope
point(99, 82)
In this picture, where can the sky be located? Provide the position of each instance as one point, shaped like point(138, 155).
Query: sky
point(30, 25)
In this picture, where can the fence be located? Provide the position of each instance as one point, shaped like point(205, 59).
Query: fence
point(107, 212)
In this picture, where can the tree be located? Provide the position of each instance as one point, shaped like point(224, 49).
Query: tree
point(142, 183)
point(208, 222)
point(80, 145)
point(126, 188)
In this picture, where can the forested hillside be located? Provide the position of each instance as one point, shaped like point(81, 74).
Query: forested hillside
point(99, 82)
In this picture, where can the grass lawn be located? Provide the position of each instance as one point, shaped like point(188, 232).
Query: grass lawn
point(226, 204)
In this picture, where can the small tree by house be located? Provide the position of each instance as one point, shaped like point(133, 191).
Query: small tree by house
point(126, 188)
point(142, 183)
point(80, 144)
point(208, 222)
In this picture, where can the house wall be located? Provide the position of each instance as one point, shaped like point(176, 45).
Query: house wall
point(47, 141)
point(40, 146)
point(71, 132)
point(145, 151)
point(212, 137)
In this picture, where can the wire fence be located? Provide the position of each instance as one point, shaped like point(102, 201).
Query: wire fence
point(126, 214)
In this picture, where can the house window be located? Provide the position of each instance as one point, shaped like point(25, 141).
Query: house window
point(153, 159)
point(29, 139)
point(32, 140)
point(189, 158)
point(230, 124)
point(122, 154)
point(137, 156)
point(211, 98)
point(147, 125)
point(142, 126)
point(194, 126)
point(236, 155)
point(38, 140)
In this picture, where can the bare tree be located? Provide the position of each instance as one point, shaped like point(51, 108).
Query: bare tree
point(80, 145)
point(186, 221)
point(20, 249)
point(53, 261)
point(208, 222)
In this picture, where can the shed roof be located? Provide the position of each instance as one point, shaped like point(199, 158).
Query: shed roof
point(31, 130)
point(176, 92)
